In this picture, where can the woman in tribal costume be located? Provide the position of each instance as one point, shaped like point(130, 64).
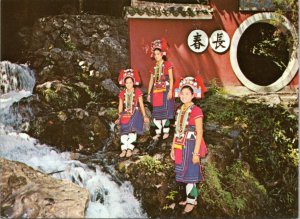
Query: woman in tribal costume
point(160, 89)
point(131, 110)
point(188, 143)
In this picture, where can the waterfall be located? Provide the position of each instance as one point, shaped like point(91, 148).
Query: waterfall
point(15, 77)
point(107, 198)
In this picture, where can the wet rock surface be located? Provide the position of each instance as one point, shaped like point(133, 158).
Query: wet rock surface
point(27, 193)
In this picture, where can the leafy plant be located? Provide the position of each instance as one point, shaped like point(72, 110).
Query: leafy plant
point(152, 165)
point(171, 195)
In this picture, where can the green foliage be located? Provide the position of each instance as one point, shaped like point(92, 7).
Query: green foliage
point(50, 95)
point(215, 196)
point(234, 192)
point(61, 99)
point(268, 143)
point(151, 165)
point(288, 8)
point(171, 195)
point(246, 188)
point(221, 110)
point(214, 88)
point(70, 46)
point(272, 46)
point(112, 113)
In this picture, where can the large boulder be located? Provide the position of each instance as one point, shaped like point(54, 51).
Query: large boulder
point(27, 193)
point(67, 128)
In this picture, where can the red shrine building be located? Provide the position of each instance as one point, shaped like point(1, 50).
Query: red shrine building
point(213, 40)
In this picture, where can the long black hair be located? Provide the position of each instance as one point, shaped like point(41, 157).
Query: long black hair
point(130, 78)
point(189, 87)
point(164, 57)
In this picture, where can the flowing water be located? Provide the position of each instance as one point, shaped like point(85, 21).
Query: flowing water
point(107, 198)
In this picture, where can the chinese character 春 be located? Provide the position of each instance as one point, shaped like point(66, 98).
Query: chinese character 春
point(197, 41)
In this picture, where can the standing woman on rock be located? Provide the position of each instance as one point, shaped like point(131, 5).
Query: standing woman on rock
point(160, 89)
point(131, 110)
point(188, 143)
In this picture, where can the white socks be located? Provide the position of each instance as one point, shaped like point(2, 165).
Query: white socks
point(127, 141)
point(191, 193)
point(160, 126)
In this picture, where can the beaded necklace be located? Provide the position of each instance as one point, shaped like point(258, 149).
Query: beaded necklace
point(181, 124)
point(129, 100)
point(158, 72)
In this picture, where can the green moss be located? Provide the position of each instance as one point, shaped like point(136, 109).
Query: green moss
point(62, 99)
point(50, 95)
point(112, 113)
point(70, 46)
point(121, 167)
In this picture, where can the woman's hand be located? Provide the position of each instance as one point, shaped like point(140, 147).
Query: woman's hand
point(195, 159)
point(118, 120)
point(170, 95)
point(172, 154)
point(148, 98)
point(146, 119)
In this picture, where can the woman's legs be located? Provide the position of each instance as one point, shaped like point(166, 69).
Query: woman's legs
point(131, 138)
point(191, 200)
point(127, 145)
point(161, 126)
point(124, 141)
point(166, 128)
point(158, 124)
point(191, 193)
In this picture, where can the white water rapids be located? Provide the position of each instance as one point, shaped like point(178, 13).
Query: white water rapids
point(107, 198)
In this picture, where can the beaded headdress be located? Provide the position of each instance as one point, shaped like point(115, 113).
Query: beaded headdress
point(129, 73)
point(195, 83)
point(161, 44)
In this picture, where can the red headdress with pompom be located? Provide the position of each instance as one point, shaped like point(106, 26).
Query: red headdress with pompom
point(129, 73)
point(161, 44)
point(196, 83)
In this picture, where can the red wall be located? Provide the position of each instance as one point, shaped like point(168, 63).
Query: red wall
point(209, 65)
point(295, 81)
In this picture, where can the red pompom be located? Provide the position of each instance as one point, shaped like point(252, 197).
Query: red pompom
point(121, 77)
point(137, 79)
point(201, 84)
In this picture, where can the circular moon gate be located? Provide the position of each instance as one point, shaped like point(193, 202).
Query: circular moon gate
point(292, 67)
